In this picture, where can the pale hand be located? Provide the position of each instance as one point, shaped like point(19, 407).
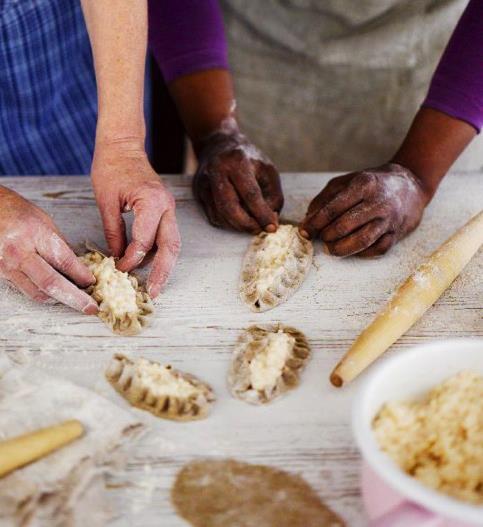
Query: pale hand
point(123, 180)
point(36, 259)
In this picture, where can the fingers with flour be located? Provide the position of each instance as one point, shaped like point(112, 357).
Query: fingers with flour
point(56, 286)
point(168, 241)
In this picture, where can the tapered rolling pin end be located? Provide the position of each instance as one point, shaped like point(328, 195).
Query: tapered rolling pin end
point(336, 379)
point(411, 300)
point(22, 450)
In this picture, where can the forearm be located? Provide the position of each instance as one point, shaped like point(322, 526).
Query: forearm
point(205, 102)
point(118, 35)
point(188, 42)
point(434, 142)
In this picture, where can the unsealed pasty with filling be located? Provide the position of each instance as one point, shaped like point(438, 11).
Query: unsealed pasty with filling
point(161, 390)
point(267, 361)
point(274, 267)
point(123, 304)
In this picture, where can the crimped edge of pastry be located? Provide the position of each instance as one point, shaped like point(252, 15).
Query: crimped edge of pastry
point(132, 323)
point(257, 303)
point(166, 407)
point(245, 351)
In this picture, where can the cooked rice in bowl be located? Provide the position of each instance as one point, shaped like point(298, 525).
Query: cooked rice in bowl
point(439, 439)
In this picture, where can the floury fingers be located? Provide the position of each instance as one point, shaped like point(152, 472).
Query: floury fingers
point(159, 389)
point(267, 361)
point(123, 304)
point(274, 267)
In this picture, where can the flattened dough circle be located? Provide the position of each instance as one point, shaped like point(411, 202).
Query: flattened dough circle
point(228, 493)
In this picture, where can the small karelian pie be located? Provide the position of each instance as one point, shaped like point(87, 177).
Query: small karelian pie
point(124, 305)
point(274, 267)
point(267, 362)
point(159, 389)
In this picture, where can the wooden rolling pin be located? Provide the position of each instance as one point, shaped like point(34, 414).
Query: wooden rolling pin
point(411, 300)
point(21, 450)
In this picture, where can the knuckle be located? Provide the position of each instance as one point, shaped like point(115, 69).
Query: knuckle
point(67, 263)
point(111, 233)
point(232, 156)
point(170, 201)
point(331, 211)
point(366, 178)
point(162, 276)
point(339, 229)
point(229, 208)
point(48, 284)
point(174, 247)
point(163, 198)
point(11, 252)
point(364, 240)
point(252, 192)
point(141, 246)
point(40, 297)
point(337, 250)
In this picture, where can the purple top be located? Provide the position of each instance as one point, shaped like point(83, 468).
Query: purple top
point(186, 36)
point(457, 85)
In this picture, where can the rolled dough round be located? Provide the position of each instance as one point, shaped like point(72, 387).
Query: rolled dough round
point(228, 493)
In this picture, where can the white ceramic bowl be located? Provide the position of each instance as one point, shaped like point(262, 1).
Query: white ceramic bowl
point(389, 494)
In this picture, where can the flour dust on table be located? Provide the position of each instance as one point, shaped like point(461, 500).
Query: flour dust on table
point(124, 305)
point(228, 493)
point(274, 267)
point(267, 362)
point(159, 389)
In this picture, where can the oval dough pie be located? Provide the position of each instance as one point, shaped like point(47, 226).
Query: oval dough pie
point(161, 390)
point(274, 267)
point(123, 304)
point(267, 361)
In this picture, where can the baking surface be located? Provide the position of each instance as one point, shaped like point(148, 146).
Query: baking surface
point(198, 319)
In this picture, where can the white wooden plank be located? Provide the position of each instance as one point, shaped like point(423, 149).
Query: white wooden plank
point(198, 319)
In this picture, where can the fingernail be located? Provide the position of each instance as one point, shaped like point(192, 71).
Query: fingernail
point(271, 227)
point(89, 281)
point(153, 291)
point(304, 233)
point(91, 309)
point(121, 266)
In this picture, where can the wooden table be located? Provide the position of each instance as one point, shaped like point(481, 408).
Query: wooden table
point(198, 319)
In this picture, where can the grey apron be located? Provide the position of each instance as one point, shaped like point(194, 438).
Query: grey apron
point(334, 84)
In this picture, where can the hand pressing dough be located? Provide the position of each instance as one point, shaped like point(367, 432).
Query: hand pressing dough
point(267, 361)
point(274, 267)
point(159, 389)
point(227, 493)
point(123, 305)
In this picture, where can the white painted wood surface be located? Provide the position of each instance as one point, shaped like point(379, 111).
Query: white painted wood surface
point(198, 319)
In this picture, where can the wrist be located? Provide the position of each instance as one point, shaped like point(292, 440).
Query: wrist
point(205, 102)
point(114, 129)
point(426, 188)
point(226, 132)
point(120, 143)
point(432, 144)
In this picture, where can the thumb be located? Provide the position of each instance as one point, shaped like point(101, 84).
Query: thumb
point(114, 226)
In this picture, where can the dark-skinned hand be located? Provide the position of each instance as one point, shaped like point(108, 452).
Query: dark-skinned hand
point(367, 212)
point(237, 186)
